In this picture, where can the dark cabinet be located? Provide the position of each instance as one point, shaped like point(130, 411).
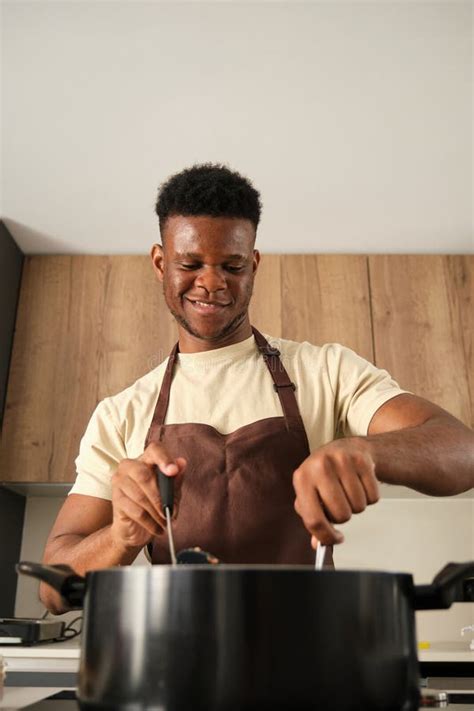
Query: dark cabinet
point(11, 264)
point(11, 505)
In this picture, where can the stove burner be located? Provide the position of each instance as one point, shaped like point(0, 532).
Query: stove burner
point(433, 698)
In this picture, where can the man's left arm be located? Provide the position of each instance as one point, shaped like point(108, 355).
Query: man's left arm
point(410, 441)
point(417, 444)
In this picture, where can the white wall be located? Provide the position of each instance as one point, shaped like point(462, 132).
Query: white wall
point(40, 514)
point(353, 119)
point(398, 535)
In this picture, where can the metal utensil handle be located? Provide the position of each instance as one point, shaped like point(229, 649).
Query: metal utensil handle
point(170, 536)
point(320, 555)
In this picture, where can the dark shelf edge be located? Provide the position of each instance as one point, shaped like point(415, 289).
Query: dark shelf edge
point(37, 488)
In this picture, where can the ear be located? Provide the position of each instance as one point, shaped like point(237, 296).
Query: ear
point(158, 259)
point(256, 260)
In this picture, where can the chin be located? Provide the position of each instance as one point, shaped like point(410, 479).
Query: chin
point(204, 335)
point(209, 333)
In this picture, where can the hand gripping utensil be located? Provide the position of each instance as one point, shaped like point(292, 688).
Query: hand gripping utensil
point(166, 487)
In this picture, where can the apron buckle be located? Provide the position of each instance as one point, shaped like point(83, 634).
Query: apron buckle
point(269, 350)
point(283, 385)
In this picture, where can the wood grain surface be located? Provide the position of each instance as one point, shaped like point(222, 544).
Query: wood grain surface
point(89, 326)
point(326, 300)
point(265, 309)
point(423, 320)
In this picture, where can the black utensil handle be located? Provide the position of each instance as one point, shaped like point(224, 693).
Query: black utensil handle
point(196, 556)
point(452, 584)
point(62, 578)
point(166, 487)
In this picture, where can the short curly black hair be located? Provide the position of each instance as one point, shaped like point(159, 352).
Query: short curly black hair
point(209, 189)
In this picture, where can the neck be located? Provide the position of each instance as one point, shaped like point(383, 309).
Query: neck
point(190, 343)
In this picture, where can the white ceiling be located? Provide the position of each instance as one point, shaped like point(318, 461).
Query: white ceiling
point(353, 119)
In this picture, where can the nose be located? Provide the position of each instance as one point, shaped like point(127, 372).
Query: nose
point(211, 280)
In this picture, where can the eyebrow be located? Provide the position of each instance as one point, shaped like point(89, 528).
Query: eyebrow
point(195, 255)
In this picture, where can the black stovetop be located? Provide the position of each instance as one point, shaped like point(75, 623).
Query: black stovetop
point(66, 701)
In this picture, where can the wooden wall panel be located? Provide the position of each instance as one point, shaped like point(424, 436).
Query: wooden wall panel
point(265, 306)
point(325, 299)
point(137, 328)
point(87, 327)
point(423, 326)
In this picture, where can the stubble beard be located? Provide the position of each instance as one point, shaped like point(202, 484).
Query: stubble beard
point(228, 328)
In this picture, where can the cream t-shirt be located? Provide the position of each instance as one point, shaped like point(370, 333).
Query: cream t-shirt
point(337, 392)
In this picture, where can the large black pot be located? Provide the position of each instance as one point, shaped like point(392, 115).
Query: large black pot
point(241, 638)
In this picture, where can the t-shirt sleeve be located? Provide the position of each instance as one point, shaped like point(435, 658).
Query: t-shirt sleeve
point(101, 450)
point(359, 388)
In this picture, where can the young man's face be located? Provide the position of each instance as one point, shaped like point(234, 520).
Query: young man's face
point(212, 260)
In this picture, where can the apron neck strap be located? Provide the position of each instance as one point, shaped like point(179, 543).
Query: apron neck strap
point(164, 396)
point(282, 384)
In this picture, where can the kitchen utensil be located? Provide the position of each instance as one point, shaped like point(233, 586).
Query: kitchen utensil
point(166, 487)
point(320, 554)
point(242, 638)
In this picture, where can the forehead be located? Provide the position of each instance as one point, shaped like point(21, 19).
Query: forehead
point(203, 234)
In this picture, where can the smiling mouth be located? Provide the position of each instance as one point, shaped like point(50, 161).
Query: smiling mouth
point(207, 308)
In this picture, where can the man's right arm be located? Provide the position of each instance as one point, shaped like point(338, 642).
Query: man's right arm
point(92, 533)
point(82, 538)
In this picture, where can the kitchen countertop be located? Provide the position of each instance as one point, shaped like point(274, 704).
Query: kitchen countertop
point(19, 697)
point(52, 657)
point(63, 657)
point(447, 652)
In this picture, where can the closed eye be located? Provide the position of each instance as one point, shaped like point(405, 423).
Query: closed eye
point(189, 267)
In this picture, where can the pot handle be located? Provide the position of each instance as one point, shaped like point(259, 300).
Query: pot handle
point(454, 583)
point(62, 578)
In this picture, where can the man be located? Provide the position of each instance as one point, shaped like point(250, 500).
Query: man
point(263, 470)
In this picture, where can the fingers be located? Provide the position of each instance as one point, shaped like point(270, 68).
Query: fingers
point(135, 519)
point(355, 492)
point(335, 503)
point(156, 454)
point(135, 492)
point(309, 507)
point(331, 485)
point(355, 470)
point(143, 491)
point(130, 511)
point(138, 479)
point(370, 484)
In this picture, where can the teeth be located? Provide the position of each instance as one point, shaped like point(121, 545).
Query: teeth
point(208, 306)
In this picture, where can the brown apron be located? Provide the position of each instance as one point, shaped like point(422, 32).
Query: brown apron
point(237, 496)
